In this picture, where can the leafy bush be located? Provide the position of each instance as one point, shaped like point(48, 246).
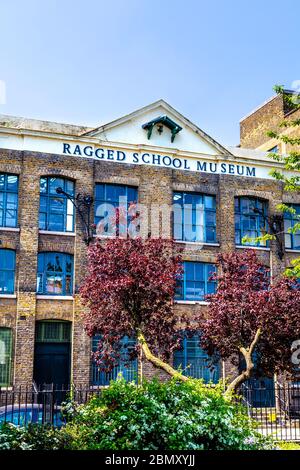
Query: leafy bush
point(288, 446)
point(161, 416)
point(32, 437)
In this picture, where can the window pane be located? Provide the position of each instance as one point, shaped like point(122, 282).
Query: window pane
point(7, 259)
point(195, 362)
point(11, 219)
point(53, 284)
point(70, 187)
point(12, 183)
point(178, 198)
point(55, 183)
point(132, 195)
point(99, 191)
point(42, 221)
point(57, 204)
point(57, 270)
point(288, 241)
point(198, 214)
point(56, 211)
point(7, 282)
point(238, 238)
point(297, 241)
point(5, 356)
point(196, 281)
point(210, 202)
point(189, 270)
point(250, 223)
point(39, 285)
point(2, 182)
point(199, 271)
point(211, 288)
point(210, 235)
point(56, 222)
point(210, 218)
point(68, 285)
point(126, 367)
point(108, 198)
point(8, 200)
point(43, 185)
point(70, 223)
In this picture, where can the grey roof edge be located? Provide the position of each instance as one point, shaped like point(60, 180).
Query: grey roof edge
point(20, 122)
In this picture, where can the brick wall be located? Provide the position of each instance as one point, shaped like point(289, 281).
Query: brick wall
point(155, 185)
point(254, 127)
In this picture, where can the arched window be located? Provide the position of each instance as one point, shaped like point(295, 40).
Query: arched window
point(195, 362)
point(8, 200)
point(56, 210)
point(5, 356)
point(292, 240)
point(250, 213)
point(7, 271)
point(127, 368)
point(55, 274)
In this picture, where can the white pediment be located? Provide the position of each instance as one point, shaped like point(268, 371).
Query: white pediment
point(129, 130)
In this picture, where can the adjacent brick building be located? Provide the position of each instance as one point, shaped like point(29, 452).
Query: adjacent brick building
point(155, 154)
point(268, 117)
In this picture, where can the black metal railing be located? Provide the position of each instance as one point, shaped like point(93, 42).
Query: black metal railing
point(276, 409)
point(40, 404)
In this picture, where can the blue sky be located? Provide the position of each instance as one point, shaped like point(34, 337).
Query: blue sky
point(93, 61)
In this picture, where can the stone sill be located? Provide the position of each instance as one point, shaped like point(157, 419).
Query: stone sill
point(8, 296)
point(64, 234)
point(104, 237)
point(247, 247)
point(9, 229)
point(191, 302)
point(55, 297)
point(289, 250)
point(197, 243)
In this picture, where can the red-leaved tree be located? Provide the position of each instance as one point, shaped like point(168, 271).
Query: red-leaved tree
point(129, 291)
point(249, 314)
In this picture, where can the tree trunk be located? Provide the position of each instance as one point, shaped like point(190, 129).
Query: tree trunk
point(247, 353)
point(158, 362)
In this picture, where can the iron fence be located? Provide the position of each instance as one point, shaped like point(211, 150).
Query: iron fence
point(275, 409)
point(41, 405)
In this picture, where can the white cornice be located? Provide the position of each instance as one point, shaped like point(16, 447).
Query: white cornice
point(88, 140)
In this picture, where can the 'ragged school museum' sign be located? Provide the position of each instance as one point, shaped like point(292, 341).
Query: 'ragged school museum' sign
point(136, 155)
point(154, 159)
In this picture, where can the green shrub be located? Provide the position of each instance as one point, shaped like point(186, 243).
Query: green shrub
point(32, 437)
point(161, 416)
point(288, 446)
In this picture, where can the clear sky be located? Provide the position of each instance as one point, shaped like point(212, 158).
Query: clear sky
point(92, 61)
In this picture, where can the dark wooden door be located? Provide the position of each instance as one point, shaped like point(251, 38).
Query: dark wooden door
point(52, 364)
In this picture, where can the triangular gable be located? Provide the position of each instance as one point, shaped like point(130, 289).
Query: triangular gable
point(134, 128)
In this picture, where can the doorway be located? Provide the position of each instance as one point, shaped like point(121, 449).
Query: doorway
point(52, 356)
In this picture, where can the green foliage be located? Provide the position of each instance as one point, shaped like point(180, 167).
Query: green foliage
point(288, 446)
point(33, 437)
point(162, 416)
point(290, 162)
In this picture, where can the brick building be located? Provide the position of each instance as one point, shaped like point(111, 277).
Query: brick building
point(268, 116)
point(154, 155)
